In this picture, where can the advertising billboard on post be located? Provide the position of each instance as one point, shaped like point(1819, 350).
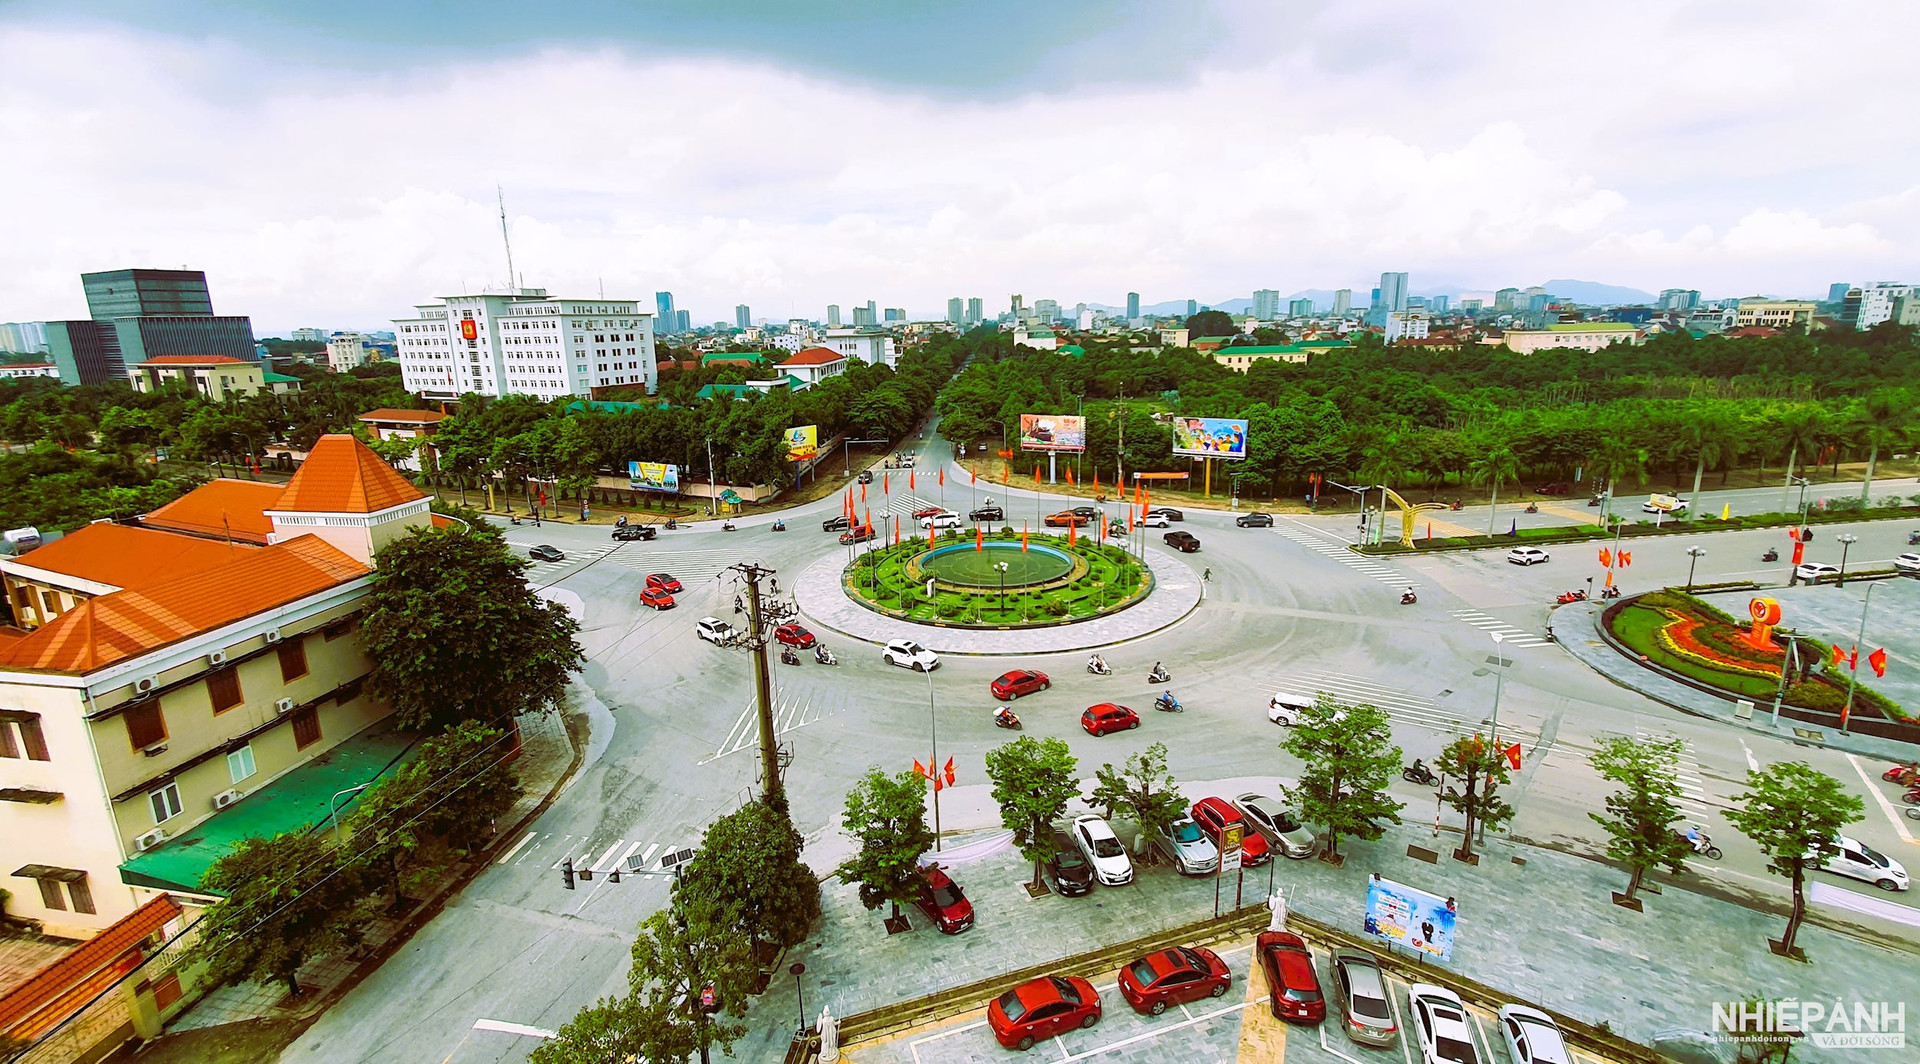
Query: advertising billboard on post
point(1053, 432)
point(1210, 437)
point(803, 442)
point(1410, 917)
point(654, 476)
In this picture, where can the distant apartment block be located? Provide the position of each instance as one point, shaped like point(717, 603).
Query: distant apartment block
point(1393, 292)
point(311, 336)
point(1876, 302)
point(742, 316)
point(525, 342)
point(1300, 308)
point(956, 310)
point(976, 310)
point(872, 346)
point(1342, 302)
point(666, 319)
point(1133, 306)
point(347, 351)
point(1586, 336)
point(1679, 299)
point(1266, 304)
point(23, 338)
point(1406, 325)
point(1783, 315)
point(215, 376)
point(833, 315)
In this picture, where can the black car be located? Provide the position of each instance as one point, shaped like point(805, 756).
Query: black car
point(633, 532)
point(1167, 512)
point(988, 513)
point(1256, 519)
point(866, 476)
point(1072, 876)
point(545, 553)
point(836, 524)
point(1182, 541)
point(1088, 512)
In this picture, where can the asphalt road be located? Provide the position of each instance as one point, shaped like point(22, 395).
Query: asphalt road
point(1287, 608)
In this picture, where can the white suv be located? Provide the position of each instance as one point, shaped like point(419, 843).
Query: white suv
point(715, 631)
point(943, 519)
point(1285, 707)
point(910, 655)
point(1440, 1024)
point(1102, 849)
point(1526, 555)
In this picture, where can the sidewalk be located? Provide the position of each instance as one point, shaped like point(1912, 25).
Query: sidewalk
point(1537, 923)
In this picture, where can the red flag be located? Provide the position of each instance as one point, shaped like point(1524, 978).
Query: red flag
point(973, 476)
point(1626, 557)
point(1006, 474)
point(910, 484)
point(1103, 524)
point(886, 479)
point(1799, 552)
point(1069, 474)
point(869, 521)
point(943, 476)
point(1072, 524)
point(1513, 756)
point(1036, 474)
point(936, 785)
point(863, 491)
point(918, 768)
point(931, 533)
point(1838, 655)
point(1878, 659)
point(1606, 557)
point(1096, 480)
point(979, 538)
point(949, 772)
point(1853, 660)
point(1023, 537)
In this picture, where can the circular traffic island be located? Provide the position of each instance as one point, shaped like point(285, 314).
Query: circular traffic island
point(1005, 580)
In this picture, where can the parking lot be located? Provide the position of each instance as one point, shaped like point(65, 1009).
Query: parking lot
point(1239, 1027)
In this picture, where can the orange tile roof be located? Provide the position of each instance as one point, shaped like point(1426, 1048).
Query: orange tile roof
point(388, 413)
point(195, 360)
point(61, 988)
point(221, 508)
point(128, 556)
point(814, 356)
point(125, 624)
point(343, 476)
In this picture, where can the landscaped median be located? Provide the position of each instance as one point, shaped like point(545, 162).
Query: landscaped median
point(1004, 580)
point(1840, 512)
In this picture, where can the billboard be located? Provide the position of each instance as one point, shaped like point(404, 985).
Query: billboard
point(1210, 437)
point(654, 476)
point(1053, 432)
point(803, 442)
point(1410, 917)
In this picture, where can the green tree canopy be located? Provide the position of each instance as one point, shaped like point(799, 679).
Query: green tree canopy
point(1794, 813)
point(1347, 758)
point(1640, 815)
point(750, 859)
point(1143, 788)
point(288, 900)
point(1033, 780)
point(887, 817)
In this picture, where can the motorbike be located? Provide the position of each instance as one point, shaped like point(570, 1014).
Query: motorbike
point(1912, 797)
point(1904, 775)
point(1166, 703)
point(1420, 774)
point(1099, 668)
point(1005, 718)
point(1571, 596)
point(727, 526)
point(1609, 592)
point(671, 523)
point(779, 526)
point(824, 656)
point(1408, 598)
point(1533, 508)
point(1159, 676)
point(1913, 539)
point(1456, 504)
point(1595, 501)
point(788, 657)
point(1702, 845)
point(1913, 812)
point(514, 519)
point(1770, 556)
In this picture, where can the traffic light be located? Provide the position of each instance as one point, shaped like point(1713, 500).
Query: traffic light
point(566, 872)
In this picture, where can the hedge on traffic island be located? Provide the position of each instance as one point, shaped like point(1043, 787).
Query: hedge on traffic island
point(1686, 635)
point(1105, 579)
point(1837, 511)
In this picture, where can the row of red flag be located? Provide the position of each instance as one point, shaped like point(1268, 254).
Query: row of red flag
point(933, 773)
point(1851, 659)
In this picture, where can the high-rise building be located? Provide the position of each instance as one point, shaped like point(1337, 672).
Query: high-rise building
point(136, 293)
point(955, 310)
point(1471, 306)
point(873, 311)
point(1680, 299)
point(23, 338)
point(1439, 304)
point(1837, 291)
point(683, 321)
point(1405, 325)
point(311, 336)
point(1416, 302)
point(976, 310)
point(1047, 310)
point(1133, 306)
point(1266, 304)
point(1193, 307)
point(1876, 302)
point(1342, 302)
point(863, 317)
point(1503, 299)
point(1393, 292)
point(1300, 308)
point(896, 313)
point(833, 315)
point(742, 316)
point(140, 315)
point(664, 313)
point(526, 342)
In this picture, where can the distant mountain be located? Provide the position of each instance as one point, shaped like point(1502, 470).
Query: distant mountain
point(1593, 293)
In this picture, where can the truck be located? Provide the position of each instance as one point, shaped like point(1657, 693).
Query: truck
point(1663, 504)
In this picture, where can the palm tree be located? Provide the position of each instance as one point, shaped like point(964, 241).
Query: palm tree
point(1617, 460)
point(1800, 429)
point(1705, 434)
point(1496, 465)
point(1883, 419)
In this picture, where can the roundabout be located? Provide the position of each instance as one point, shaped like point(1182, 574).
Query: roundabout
point(997, 582)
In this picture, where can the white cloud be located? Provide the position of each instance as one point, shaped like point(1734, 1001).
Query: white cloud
point(1480, 151)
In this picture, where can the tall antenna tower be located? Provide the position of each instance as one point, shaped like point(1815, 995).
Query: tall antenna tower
point(504, 238)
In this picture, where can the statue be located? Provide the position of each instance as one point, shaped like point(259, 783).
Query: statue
point(1277, 905)
point(829, 1037)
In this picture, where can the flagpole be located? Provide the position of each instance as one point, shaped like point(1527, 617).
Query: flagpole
point(1853, 667)
point(933, 726)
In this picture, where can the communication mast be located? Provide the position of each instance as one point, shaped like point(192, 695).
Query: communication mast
point(504, 238)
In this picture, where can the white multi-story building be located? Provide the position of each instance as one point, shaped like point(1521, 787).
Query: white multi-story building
point(873, 347)
point(311, 336)
point(346, 350)
point(1406, 325)
point(525, 342)
point(1876, 302)
point(17, 370)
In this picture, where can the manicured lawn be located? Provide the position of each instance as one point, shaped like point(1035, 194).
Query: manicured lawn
point(1111, 580)
point(1635, 626)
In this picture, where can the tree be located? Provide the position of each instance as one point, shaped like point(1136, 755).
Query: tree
point(1640, 816)
point(1481, 769)
point(1794, 812)
point(455, 633)
point(1210, 323)
point(1033, 780)
point(1884, 420)
point(289, 899)
point(1143, 788)
point(1497, 465)
point(887, 816)
point(439, 806)
point(1800, 429)
point(1348, 757)
point(750, 858)
point(1705, 434)
point(1618, 460)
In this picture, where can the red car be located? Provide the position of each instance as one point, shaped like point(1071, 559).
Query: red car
point(1041, 1008)
point(944, 903)
point(794, 636)
point(656, 598)
point(928, 511)
point(1174, 977)
point(1291, 982)
point(1019, 682)
point(1106, 717)
point(1214, 814)
point(1067, 517)
point(664, 582)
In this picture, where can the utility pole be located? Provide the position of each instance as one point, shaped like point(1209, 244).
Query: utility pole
point(771, 790)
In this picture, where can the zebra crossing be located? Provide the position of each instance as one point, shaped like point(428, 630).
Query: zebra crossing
point(586, 853)
point(1510, 635)
point(790, 712)
point(539, 572)
point(1337, 551)
point(1693, 790)
point(1402, 707)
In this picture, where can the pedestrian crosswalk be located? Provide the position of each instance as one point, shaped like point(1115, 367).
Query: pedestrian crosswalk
point(1402, 707)
point(1317, 542)
point(595, 853)
point(1693, 790)
point(790, 712)
point(539, 572)
point(1510, 635)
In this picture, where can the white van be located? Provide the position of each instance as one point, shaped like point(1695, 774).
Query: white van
point(1857, 860)
point(1285, 707)
point(1663, 504)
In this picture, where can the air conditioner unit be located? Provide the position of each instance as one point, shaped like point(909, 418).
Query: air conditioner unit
point(150, 839)
point(155, 750)
point(285, 705)
point(272, 636)
point(144, 686)
point(225, 798)
point(218, 657)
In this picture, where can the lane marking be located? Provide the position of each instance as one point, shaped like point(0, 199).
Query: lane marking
point(647, 857)
point(512, 1028)
point(1885, 806)
point(516, 847)
point(603, 857)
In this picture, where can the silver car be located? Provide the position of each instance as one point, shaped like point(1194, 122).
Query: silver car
point(1276, 825)
point(1192, 853)
point(1363, 997)
point(1532, 1037)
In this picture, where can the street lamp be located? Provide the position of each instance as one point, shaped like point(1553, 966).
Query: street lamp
point(1498, 665)
point(1847, 540)
point(1694, 554)
point(333, 808)
point(1001, 567)
point(800, 992)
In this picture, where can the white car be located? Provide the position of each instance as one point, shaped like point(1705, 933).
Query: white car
point(1440, 1025)
point(910, 655)
point(715, 631)
point(1532, 1037)
point(1857, 860)
point(1815, 570)
point(943, 519)
point(1102, 849)
point(1907, 563)
point(1276, 824)
point(1526, 555)
point(1285, 707)
point(1154, 520)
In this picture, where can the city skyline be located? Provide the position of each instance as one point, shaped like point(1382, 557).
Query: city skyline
point(1627, 173)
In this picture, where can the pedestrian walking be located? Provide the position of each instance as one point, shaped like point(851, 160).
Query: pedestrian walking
point(1206, 574)
point(776, 585)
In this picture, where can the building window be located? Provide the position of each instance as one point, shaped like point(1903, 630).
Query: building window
point(337, 629)
point(145, 725)
point(167, 990)
point(50, 894)
point(306, 727)
point(165, 802)
point(293, 659)
point(82, 895)
point(223, 687)
point(51, 602)
point(31, 737)
point(240, 763)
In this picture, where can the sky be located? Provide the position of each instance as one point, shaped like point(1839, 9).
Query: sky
point(332, 165)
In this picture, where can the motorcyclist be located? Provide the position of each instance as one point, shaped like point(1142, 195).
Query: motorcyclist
point(1167, 701)
point(821, 654)
point(1003, 716)
point(1097, 664)
point(1157, 673)
point(1420, 769)
point(1408, 596)
point(788, 657)
point(1693, 836)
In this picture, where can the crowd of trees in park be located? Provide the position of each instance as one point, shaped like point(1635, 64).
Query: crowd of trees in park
point(1422, 418)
